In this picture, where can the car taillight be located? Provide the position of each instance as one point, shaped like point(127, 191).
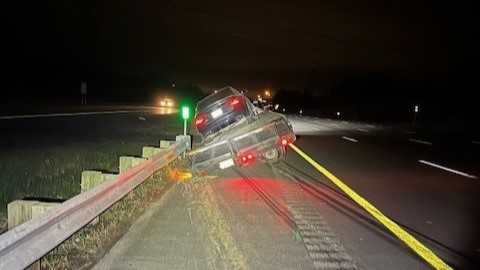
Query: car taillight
point(201, 120)
point(247, 159)
point(285, 140)
point(236, 102)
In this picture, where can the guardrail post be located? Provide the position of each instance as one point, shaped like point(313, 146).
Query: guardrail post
point(166, 143)
point(187, 139)
point(149, 151)
point(21, 211)
point(91, 179)
point(20, 248)
point(129, 162)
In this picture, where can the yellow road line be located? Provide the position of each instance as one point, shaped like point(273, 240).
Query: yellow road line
point(407, 238)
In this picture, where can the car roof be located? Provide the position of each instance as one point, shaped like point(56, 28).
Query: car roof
point(217, 95)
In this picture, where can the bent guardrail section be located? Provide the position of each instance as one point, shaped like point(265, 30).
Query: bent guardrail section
point(30, 241)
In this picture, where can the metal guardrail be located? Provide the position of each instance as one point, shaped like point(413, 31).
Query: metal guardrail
point(30, 241)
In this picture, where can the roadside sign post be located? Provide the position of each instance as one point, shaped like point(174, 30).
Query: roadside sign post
point(416, 109)
point(185, 116)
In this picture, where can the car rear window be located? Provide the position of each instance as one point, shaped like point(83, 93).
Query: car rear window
point(222, 93)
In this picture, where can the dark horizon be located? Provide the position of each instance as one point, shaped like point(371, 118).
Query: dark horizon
point(345, 53)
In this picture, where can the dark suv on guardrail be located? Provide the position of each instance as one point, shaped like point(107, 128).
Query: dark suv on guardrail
point(224, 108)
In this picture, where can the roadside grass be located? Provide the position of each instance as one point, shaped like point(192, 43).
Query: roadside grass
point(54, 173)
point(91, 243)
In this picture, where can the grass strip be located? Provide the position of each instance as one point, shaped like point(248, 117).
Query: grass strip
point(90, 244)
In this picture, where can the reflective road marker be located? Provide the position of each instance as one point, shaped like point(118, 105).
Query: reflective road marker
point(447, 169)
point(46, 115)
point(349, 139)
point(407, 238)
point(420, 141)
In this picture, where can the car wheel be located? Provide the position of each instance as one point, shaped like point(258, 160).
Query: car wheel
point(273, 155)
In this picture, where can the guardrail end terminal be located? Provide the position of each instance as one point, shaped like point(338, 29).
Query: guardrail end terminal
point(186, 138)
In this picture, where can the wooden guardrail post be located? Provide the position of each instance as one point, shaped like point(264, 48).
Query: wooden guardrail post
point(126, 163)
point(149, 151)
point(166, 143)
point(21, 211)
point(91, 179)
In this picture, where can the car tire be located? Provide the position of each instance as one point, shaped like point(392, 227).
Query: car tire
point(273, 155)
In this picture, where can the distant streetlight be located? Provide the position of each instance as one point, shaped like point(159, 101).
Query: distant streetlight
point(173, 85)
point(276, 106)
point(338, 114)
point(301, 112)
point(259, 97)
point(267, 93)
point(283, 109)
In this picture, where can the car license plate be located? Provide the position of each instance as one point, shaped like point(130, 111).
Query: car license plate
point(217, 113)
point(226, 163)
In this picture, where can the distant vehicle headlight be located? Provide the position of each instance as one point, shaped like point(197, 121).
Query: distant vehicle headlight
point(167, 102)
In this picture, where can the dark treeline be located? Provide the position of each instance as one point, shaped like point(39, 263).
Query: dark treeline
point(104, 89)
point(375, 97)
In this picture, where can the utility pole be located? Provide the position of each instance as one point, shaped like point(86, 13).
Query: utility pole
point(416, 109)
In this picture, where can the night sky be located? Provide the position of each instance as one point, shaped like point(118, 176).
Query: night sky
point(318, 45)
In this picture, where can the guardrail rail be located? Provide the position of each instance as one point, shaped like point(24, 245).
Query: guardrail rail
point(30, 241)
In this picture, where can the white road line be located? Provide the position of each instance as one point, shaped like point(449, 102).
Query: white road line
point(28, 116)
point(447, 169)
point(420, 141)
point(362, 130)
point(349, 139)
point(476, 142)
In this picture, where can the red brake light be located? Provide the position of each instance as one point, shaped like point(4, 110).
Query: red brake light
point(235, 102)
point(247, 159)
point(285, 140)
point(201, 120)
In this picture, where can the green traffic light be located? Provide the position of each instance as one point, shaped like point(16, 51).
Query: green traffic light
point(185, 112)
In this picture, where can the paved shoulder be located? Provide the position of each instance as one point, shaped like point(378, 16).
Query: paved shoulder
point(163, 238)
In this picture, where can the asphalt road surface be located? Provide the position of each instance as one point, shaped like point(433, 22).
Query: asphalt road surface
point(424, 181)
point(288, 216)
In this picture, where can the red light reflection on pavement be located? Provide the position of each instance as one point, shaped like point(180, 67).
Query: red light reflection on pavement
point(244, 193)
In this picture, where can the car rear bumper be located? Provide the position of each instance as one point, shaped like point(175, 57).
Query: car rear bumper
point(226, 153)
